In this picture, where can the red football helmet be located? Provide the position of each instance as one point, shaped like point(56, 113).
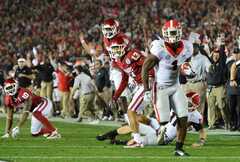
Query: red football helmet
point(172, 31)
point(10, 87)
point(110, 28)
point(193, 100)
point(118, 47)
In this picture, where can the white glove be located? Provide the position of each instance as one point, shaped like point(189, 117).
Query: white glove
point(6, 135)
point(15, 132)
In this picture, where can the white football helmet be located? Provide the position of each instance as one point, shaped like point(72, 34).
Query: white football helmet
point(110, 28)
point(172, 31)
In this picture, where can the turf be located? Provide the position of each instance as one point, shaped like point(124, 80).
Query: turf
point(78, 144)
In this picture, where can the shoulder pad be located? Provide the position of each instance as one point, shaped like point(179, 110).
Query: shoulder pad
point(156, 47)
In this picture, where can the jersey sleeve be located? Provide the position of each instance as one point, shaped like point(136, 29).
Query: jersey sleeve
point(189, 49)
point(156, 48)
point(8, 101)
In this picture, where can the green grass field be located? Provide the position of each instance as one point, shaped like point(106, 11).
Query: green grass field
point(78, 144)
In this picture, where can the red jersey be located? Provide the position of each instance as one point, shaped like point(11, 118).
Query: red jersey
point(21, 96)
point(131, 65)
point(107, 43)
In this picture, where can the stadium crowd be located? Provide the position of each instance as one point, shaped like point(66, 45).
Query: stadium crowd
point(46, 45)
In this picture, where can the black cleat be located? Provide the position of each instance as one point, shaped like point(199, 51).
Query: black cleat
point(101, 137)
point(180, 153)
point(120, 142)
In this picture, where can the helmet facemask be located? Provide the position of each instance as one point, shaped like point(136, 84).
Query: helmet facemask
point(118, 50)
point(109, 31)
point(172, 35)
point(11, 89)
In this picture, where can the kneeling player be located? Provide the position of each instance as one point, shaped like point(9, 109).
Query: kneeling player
point(17, 97)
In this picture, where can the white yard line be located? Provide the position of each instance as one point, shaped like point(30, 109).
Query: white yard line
point(118, 157)
point(110, 146)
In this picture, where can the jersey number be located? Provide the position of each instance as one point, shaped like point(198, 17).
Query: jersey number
point(25, 95)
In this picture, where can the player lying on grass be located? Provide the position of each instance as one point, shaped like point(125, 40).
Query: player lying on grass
point(18, 97)
point(149, 128)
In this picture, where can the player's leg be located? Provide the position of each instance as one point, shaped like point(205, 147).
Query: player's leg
point(133, 108)
point(161, 104)
point(180, 105)
point(40, 113)
point(113, 133)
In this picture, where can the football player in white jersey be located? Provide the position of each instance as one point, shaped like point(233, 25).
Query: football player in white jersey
point(168, 56)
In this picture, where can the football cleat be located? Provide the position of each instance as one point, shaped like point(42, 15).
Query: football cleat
point(5, 135)
point(46, 134)
point(101, 137)
point(54, 135)
point(180, 152)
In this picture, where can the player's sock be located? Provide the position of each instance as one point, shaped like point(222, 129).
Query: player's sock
point(44, 121)
point(179, 146)
point(109, 135)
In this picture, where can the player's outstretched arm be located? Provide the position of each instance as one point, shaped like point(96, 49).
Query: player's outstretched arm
point(9, 121)
point(27, 106)
point(148, 64)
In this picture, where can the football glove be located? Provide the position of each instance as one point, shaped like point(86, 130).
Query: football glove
point(15, 132)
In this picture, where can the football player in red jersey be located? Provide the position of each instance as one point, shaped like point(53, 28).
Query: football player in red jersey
point(110, 30)
point(168, 56)
point(130, 63)
point(17, 97)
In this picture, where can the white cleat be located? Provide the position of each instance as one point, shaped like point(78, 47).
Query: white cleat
point(46, 134)
point(54, 135)
point(5, 136)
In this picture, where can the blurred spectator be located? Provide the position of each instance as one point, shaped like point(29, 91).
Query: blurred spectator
point(84, 83)
point(64, 77)
point(200, 65)
point(233, 89)
point(23, 74)
point(46, 70)
point(216, 80)
point(103, 84)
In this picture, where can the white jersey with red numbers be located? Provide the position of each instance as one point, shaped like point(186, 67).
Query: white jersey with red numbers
point(167, 71)
point(167, 90)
